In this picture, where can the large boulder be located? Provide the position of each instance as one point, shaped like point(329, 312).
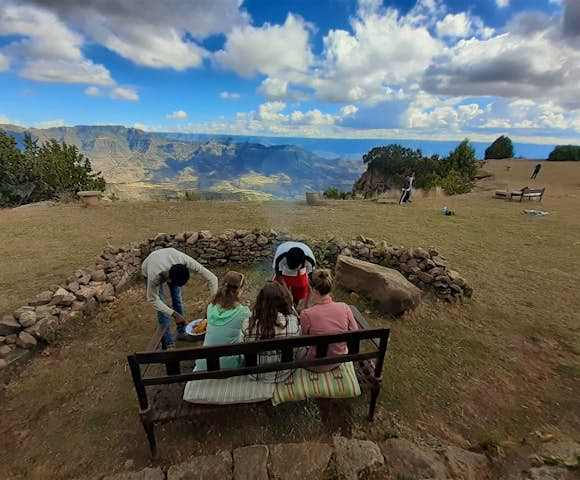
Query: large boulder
point(393, 293)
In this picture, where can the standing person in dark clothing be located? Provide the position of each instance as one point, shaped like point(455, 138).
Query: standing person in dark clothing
point(406, 190)
point(536, 171)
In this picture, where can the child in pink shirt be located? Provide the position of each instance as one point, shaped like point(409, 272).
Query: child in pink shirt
point(325, 316)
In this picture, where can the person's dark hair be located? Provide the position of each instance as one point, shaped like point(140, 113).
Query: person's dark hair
point(274, 298)
point(178, 275)
point(295, 258)
point(322, 281)
point(229, 290)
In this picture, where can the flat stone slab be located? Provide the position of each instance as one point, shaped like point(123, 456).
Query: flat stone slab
point(355, 456)
point(211, 467)
point(145, 474)
point(251, 463)
point(566, 452)
point(304, 461)
point(466, 465)
point(549, 473)
point(404, 458)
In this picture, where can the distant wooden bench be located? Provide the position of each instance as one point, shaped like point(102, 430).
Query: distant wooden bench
point(160, 390)
point(529, 193)
point(525, 192)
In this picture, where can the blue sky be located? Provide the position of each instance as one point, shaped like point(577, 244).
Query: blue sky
point(425, 69)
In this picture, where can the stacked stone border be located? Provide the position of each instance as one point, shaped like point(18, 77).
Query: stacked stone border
point(118, 268)
point(352, 459)
point(344, 458)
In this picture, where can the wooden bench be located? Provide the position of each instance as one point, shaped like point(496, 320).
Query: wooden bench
point(159, 380)
point(525, 192)
point(528, 193)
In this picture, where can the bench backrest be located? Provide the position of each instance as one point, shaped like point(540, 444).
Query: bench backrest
point(533, 191)
point(377, 339)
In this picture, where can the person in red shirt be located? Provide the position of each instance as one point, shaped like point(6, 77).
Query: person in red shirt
point(293, 262)
point(325, 316)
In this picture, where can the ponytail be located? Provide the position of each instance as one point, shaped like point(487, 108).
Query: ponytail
point(228, 291)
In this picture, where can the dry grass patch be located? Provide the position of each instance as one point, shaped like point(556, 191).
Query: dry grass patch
point(503, 365)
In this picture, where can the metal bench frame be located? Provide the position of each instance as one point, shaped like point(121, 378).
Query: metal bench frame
point(166, 402)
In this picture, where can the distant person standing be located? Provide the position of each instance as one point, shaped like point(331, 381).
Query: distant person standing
point(168, 265)
point(536, 171)
point(407, 189)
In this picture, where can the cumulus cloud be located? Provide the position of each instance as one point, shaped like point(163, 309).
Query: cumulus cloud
point(572, 19)
point(268, 49)
point(122, 93)
point(92, 91)
point(159, 34)
point(229, 96)
point(178, 115)
point(458, 25)
point(502, 3)
point(533, 65)
point(62, 71)
point(48, 51)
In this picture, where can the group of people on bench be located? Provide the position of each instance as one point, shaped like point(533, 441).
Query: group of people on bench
point(297, 286)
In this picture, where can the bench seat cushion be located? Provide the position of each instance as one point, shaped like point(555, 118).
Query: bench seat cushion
point(228, 391)
point(340, 382)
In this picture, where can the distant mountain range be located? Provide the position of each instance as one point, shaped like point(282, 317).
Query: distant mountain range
point(138, 164)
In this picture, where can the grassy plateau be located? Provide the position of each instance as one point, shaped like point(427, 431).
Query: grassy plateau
point(495, 369)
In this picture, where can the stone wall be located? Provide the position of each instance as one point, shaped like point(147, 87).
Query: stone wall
point(83, 293)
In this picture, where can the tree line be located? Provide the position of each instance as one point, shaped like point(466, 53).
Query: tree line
point(50, 171)
point(455, 173)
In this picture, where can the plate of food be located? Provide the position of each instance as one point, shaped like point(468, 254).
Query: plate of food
point(196, 328)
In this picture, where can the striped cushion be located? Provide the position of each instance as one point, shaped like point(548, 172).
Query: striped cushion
point(340, 382)
point(240, 389)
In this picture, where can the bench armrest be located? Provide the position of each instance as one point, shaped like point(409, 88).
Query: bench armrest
point(362, 322)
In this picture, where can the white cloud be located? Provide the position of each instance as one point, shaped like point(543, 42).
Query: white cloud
point(528, 64)
point(62, 71)
point(229, 95)
point(154, 34)
point(269, 49)
point(458, 25)
point(502, 3)
point(122, 93)
point(49, 51)
point(348, 110)
point(92, 91)
point(178, 115)
point(4, 63)
point(51, 124)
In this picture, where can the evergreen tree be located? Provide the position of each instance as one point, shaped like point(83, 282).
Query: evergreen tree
point(43, 172)
point(565, 153)
point(502, 147)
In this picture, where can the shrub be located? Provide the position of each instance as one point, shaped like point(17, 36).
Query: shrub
point(191, 196)
point(456, 183)
point(565, 153)
point(332, 193)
